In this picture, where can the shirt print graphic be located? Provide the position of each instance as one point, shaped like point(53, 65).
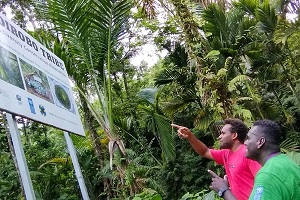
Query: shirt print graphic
point(258, 193)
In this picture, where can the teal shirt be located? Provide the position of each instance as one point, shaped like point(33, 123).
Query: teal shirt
point(278, 179)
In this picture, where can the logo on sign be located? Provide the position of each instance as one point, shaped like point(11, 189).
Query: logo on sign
point(31, 106)
point(42, 110)
point(19, 98)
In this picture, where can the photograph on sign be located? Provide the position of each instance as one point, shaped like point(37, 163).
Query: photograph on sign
point(62, 95)
point(34, 82)
point(9, 68)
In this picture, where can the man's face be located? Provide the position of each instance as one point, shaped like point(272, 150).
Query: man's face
point(251, 143)
point(226, 141)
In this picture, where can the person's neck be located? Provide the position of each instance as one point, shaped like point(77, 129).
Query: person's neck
point(265, 157)
point(236, 146)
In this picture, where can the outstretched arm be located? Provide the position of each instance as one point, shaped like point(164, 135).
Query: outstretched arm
point(197, 145)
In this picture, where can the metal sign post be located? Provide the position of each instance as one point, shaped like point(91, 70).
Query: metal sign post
point(20, 156)
point(76, 165)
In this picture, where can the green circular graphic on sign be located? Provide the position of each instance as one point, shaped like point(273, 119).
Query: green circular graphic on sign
point(62, 97)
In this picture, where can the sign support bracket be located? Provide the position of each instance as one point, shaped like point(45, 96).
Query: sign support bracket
point(20, 156)
point(76, 165)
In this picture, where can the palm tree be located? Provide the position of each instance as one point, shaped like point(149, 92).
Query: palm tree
point(88, 31)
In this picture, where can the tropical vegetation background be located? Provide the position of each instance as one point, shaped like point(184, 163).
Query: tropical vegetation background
point(237, 59)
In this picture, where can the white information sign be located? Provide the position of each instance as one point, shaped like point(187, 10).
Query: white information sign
point(34, 82)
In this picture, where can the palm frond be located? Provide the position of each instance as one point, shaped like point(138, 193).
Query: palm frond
point(204, 119)
point(215, 20)
point(167, 76)
point(123, 123)
point(237, 80)
point(164, 131)
point(249, 6)
point(289, 145)
point(113, 16)
point(71, 22)
point(61, 161)
point(284, 30)
point(267, 18)
point(234, 20)
point(157, 123)
point(176, 104)
point(70, 19)
point(243, 114)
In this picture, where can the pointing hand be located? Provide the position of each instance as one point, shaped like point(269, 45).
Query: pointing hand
point(218, 183)
point(182, 131)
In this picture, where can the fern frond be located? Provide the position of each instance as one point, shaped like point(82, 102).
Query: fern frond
point(289, 145)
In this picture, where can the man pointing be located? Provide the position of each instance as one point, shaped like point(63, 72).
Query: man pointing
point(239, 170)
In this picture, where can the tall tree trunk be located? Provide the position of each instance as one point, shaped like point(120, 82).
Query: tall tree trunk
point(189, 26)
point(125, 83)
point(195, 44)
point(197, 48)
point(89, 122)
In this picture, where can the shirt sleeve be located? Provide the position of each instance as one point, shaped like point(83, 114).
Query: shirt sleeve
point(253, 166)
point(218, 156)
point(264, 188)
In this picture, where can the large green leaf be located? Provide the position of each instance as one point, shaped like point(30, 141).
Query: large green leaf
point(148, 94)
point(164, 131)
point(267, 18)
point(215, 20)
point(249, 6)
point(157, 123)
point(213, 54)
point(114, 15)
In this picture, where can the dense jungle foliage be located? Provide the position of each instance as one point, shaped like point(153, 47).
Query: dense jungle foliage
point(225, 59)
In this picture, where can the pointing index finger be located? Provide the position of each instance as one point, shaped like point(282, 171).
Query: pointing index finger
point(176, 126)
point(213, 174)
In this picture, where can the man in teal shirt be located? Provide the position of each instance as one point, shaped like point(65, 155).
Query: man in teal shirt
point(279, 178)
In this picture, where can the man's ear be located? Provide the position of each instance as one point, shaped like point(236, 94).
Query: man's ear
point(234, 135)
point(261, 141)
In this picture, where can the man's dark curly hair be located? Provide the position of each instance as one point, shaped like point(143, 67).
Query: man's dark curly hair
point(239, 127)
